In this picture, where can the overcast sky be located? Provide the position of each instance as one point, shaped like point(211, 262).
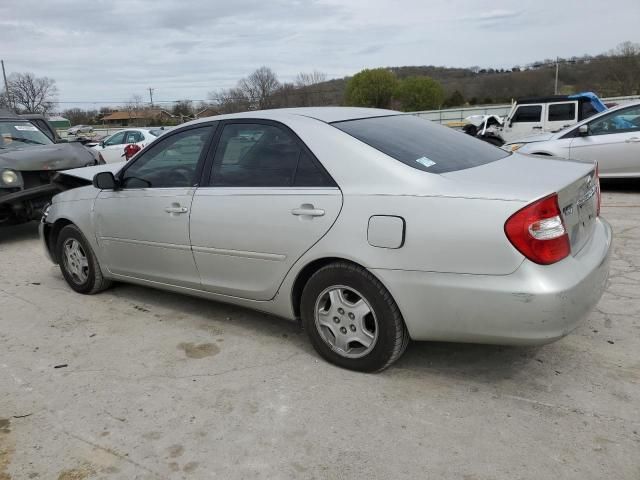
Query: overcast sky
point(107, 51)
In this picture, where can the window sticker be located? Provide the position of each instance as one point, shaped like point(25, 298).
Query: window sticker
point(424, 161)
point(25, 128)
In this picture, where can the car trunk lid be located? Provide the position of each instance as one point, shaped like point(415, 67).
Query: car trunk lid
point(578, 203)
point(526, 178)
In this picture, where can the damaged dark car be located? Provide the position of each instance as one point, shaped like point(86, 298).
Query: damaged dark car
point(29, 161)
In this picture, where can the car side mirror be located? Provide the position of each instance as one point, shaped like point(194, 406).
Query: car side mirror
point(583, 130)
point(104, 181)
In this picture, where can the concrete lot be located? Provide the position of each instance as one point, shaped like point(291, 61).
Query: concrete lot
point(154, 385)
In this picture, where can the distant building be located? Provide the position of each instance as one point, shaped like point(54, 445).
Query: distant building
point(207, 112)
point(143, 117)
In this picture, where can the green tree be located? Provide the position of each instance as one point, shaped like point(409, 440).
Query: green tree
point(419, 93)
point(371, 88)
point(455, 100)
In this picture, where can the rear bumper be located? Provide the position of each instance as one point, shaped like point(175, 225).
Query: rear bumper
point(534, 305)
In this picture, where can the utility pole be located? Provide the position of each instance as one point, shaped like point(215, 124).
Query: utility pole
point(151, 95)
point(6, 84)
point(557, 67)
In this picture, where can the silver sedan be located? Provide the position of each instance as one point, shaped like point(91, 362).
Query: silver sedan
point(612, 138)
point(371, 226)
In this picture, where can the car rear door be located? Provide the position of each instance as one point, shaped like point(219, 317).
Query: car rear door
point(561, 115)
point(266, 201)
point(143, 227)
point(613, 141)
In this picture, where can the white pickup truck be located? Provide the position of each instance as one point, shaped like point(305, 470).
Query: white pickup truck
point(529, 116)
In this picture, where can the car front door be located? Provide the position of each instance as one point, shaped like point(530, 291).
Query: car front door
point(267, 201)
point(143, 226)
point(113, 147)
point(613, 140)
point(526, 120)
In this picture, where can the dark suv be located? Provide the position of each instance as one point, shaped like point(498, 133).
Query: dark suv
point(29, 160)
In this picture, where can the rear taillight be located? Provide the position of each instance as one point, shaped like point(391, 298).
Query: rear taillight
point(599, 195)
point(538, 231)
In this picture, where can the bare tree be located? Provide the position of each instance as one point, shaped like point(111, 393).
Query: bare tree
point(182, 108)
point(4, 101)
point(33, 94)
point(134, 108)
point(230, 100)
point(259, 87)
point(624, 67)
point(307, 79)
point(309, 91)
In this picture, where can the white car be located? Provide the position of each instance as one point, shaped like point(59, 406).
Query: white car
point(79, 130)
point(612, 138)
point(112, 148)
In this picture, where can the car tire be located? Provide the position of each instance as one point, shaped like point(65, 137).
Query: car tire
point(78, 263)
point(351, 318)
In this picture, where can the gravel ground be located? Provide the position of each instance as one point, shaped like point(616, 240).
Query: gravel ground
point(139, 384)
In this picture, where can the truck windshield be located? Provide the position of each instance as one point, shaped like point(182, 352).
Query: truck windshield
point(421, 144)
point(20, 134)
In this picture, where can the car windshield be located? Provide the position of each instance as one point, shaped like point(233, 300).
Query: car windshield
point(421, 144)
point(20, 134)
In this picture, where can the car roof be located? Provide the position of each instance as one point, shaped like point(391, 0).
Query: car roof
point(323, 114)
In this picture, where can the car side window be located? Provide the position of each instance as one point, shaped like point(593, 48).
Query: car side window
point(170, 163)
point(133, 137)
point(562, 112)
point(116, 139)
point(527, 113)
point(261, 155)
point(626, 120)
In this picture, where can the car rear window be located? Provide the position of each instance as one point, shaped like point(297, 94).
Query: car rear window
point(422, 144)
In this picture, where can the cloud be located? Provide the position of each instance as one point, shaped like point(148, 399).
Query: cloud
point(109, 50)
point(498, 15)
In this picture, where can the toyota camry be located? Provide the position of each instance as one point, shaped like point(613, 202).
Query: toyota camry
point(371, 226)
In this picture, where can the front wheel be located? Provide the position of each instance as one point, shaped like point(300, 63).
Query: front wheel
point(78, 263)
point(351, 318)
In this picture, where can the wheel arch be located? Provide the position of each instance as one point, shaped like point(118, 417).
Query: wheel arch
point(51, 235)
point(312, 267)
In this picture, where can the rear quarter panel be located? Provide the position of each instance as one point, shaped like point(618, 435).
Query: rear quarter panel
point(456, 235)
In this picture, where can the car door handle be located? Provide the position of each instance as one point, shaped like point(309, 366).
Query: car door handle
point(537, 128)
point(632, 140)
point(307, 211)
point(176, 209)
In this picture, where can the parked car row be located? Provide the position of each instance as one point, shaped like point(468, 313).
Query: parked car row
point(534, 115)
point(611, 138)
point(371, 226)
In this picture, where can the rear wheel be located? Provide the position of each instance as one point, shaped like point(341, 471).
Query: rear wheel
point(351, 318)
point(78, 263)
